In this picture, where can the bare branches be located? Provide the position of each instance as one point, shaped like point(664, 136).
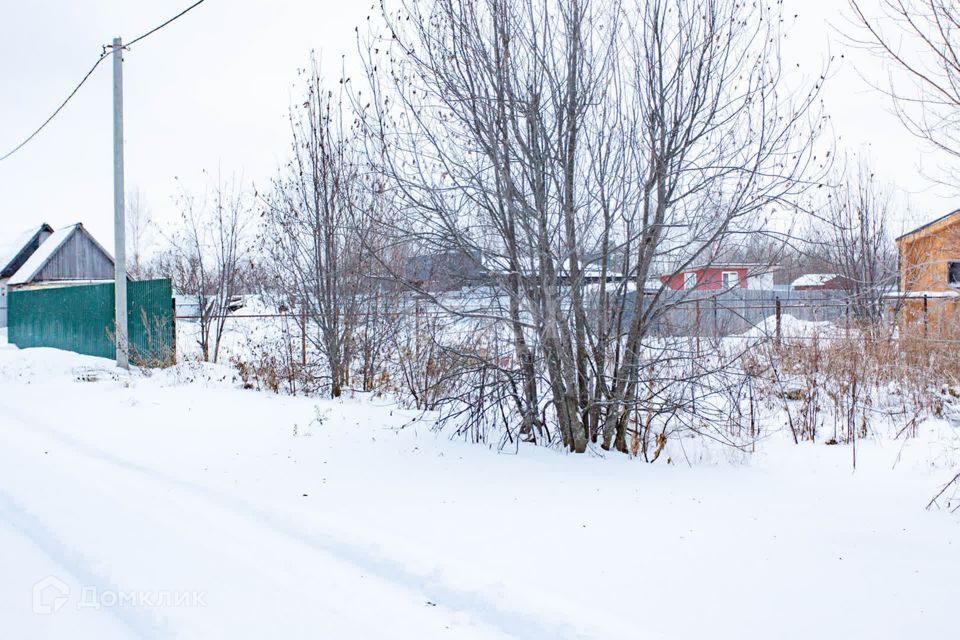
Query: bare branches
point(322, 234)
point(955, 481)
point(208, 253)
point(851, 237)
point(921, 41)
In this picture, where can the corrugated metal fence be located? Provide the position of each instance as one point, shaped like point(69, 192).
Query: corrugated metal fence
point(724, 313)
point(81, 319)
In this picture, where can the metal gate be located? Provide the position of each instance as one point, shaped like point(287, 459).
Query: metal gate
point(81, 318)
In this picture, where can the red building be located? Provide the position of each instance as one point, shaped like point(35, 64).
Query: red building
point(721, 276)
point(821, 282)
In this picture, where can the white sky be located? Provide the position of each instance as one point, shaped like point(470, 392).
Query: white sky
point(211, 91)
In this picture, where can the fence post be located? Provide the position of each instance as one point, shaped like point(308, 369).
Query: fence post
point(173, 329)
point(716, 317)
point(697, 328)
point(778, 313)
point(846, 325)
point(303, 335)
point(417, 312)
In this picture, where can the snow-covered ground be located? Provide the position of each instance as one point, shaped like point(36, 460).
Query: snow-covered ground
point(176, 505)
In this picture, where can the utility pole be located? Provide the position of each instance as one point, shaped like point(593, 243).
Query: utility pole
point(119, 219)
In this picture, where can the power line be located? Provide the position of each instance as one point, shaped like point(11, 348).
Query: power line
point(59, 109)
point(89, 73)
point(155, 29)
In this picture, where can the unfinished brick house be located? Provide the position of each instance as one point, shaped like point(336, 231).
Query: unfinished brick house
point(929, 263)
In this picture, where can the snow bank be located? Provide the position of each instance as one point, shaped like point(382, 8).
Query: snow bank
point(792, 327)
point(42, 365)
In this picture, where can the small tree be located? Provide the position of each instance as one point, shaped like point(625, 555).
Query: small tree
point(851, 236)
point(207, 254)
point(139, 233)
point(321, 224)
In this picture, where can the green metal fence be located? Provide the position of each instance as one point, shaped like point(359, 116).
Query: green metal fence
point(81, 318)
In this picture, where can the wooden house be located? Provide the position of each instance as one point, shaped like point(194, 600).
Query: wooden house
point(929, 265)
point(68, 256)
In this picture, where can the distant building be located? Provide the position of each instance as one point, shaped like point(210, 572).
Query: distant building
point(822, 282)
point(722, 276)
point(447, 271)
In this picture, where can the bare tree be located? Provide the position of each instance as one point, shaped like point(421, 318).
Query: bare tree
point(320, 221)
point(921, 40)
point(139, 232)
point(207, 254)
point(579, 149)
point(851, 236)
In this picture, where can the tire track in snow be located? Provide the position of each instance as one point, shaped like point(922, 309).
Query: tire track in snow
point(142, 624)
point(479, 607)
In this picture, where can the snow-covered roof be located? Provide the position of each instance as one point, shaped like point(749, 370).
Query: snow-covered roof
point(814, 279)
point(42, 255)
point(893, 295)
point(11, 248)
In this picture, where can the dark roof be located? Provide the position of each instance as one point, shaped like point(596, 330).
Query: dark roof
point(931, 223)
point(26, 245)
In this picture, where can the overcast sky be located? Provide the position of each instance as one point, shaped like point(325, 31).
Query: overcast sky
point(211, 92)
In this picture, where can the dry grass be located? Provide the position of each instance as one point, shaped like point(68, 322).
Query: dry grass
point(833, 387)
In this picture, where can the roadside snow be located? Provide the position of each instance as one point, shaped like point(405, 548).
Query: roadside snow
point(186, 507)
point(792, 327)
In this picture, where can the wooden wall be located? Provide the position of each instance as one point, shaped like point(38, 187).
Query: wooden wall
point(926, 254)
point(80, 258)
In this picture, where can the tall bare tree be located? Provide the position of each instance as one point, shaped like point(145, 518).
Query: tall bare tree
point(578, 149)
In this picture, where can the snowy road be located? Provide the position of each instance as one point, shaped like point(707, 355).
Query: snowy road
point(157, 539)
point(163, 507)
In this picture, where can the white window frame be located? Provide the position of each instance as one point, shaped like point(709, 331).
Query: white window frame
point(736, 279)
point(690, 280)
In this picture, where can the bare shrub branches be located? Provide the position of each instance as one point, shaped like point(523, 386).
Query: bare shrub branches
point(208, 253)
point(921, 41)
point(321, 226)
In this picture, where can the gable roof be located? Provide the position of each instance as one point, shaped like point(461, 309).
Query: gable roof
point(47, 250)
point(928, 224)
point(13, 248)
